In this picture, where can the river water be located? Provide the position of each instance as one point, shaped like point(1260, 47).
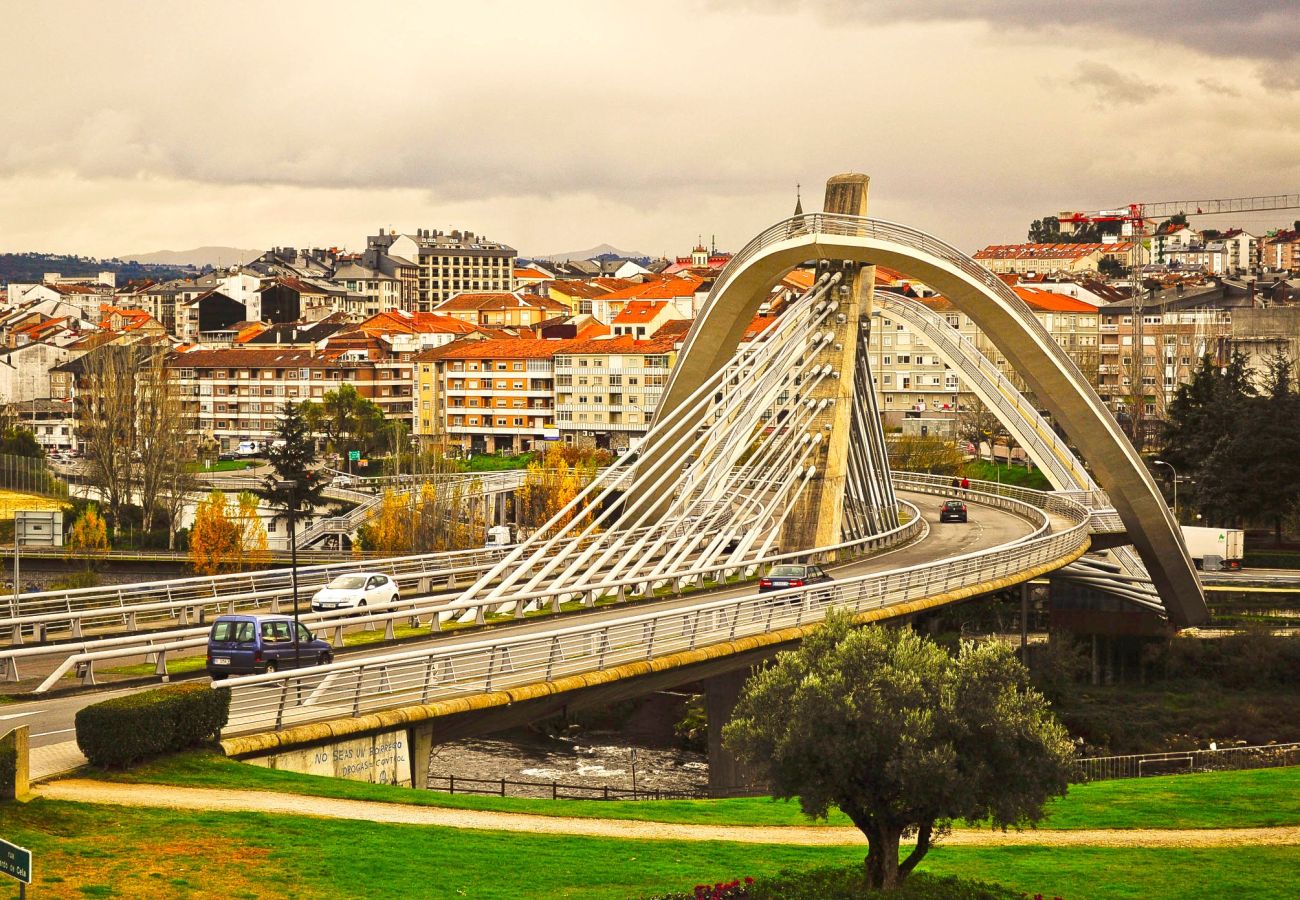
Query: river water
point(589, 760)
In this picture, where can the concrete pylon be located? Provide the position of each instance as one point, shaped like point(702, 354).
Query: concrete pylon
point(818, 519)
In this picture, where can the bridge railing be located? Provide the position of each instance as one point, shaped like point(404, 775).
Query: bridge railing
point(437, 607)
point(351, 688)
point(84, 653)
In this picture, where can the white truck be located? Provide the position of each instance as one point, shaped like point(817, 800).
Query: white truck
point(499, 536)
point(1222, 548)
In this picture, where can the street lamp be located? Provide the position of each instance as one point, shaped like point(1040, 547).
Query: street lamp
point(1174, 472)
point(290, 488)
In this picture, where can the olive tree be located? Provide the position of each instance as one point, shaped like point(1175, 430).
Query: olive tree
point(901, 736)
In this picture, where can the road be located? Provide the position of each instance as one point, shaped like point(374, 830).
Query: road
point(52, 720)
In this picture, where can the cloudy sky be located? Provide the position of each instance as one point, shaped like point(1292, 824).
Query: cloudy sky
point(141, 126)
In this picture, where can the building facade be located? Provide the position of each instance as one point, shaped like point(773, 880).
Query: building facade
point(487, 396)
point(607, 389)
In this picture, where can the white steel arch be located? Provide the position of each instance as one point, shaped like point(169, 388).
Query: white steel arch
point(999, 313)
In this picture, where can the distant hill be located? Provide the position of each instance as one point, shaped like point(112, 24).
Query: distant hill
point(199, 256)
point(31, 267)
point(592, 253)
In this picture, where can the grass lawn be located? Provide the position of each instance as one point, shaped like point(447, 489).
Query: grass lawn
point(224, 465)
point(1258, 798)
point(983, 470)
point(103, 851)
point(89, 851)
point(1122, 872)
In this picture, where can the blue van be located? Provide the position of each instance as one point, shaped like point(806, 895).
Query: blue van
point(253, 644)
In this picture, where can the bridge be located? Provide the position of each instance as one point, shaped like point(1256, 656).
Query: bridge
point(772, 452)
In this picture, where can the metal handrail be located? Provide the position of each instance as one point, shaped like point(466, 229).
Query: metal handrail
point(349, 688)
point(89, 651)
point(85, 655)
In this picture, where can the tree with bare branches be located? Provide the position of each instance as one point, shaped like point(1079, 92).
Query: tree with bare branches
point(106, 421)
point(163, 446)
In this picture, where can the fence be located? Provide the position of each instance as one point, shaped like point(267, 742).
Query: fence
point(554, 790)
point(1224, 759)
point(28, 475)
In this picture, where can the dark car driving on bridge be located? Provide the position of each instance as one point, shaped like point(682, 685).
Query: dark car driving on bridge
point(952, 511)
point(254, 644)
point(791, 576)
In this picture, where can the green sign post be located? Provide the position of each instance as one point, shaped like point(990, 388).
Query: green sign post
point(16, 862)
point(354, 455)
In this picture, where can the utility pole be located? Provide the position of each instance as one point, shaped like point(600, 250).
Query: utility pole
point(292, 488)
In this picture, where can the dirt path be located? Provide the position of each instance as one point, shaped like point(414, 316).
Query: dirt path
point(293, 804)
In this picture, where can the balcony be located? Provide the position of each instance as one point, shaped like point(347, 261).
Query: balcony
point(496, 429)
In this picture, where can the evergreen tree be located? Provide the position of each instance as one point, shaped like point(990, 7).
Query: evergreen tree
point(294, 486)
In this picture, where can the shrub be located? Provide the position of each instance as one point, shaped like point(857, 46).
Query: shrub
point(8, 770)
point(833, 883)
point(125, 730)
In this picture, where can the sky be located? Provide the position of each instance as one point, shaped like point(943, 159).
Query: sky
point(139, 126)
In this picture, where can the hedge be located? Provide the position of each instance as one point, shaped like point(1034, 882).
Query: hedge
point(125, 730)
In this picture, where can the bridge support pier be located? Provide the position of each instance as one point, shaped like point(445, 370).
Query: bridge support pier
point(720, 695)
point(420, 741)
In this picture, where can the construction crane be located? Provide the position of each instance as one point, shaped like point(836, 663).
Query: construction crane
point(1132, 220)
point(1135, 214)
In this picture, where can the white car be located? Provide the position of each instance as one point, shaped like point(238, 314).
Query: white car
point(354, 590)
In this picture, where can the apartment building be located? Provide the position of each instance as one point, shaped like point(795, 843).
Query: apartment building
point(1281, 251)
point(237, 394)
point(1024, 259)
point(450, 263)
point(1143, 359)
point(607, 389)
point(501, 309)
point(370, 291)
point(919, 392)
point(489, 395)
point(52, 422)
point(686, 292)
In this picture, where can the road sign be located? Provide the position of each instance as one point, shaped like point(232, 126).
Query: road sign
point(354, 455)
point(39, 527)
point(15, 861)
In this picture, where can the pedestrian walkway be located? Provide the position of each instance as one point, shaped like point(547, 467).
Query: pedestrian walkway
point(55, 759)
point(208, 799)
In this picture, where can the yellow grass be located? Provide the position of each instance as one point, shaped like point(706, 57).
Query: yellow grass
point(12, 500)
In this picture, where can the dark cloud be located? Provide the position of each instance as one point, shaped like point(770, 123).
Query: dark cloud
point(1214, 86)
point(1112, 85)
point(1267, 31)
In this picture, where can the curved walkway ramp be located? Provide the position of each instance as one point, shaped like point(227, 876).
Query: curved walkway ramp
point(1001, 315)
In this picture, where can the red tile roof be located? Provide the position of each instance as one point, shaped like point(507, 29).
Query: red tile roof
point(495, 348)
point(581, 290)
point(675, 329)
point(659, 289)
point(640, 312)
point(400, 321)
point(247, 358)
point(1051, 302)
point(473, 301)
point(624, 343)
